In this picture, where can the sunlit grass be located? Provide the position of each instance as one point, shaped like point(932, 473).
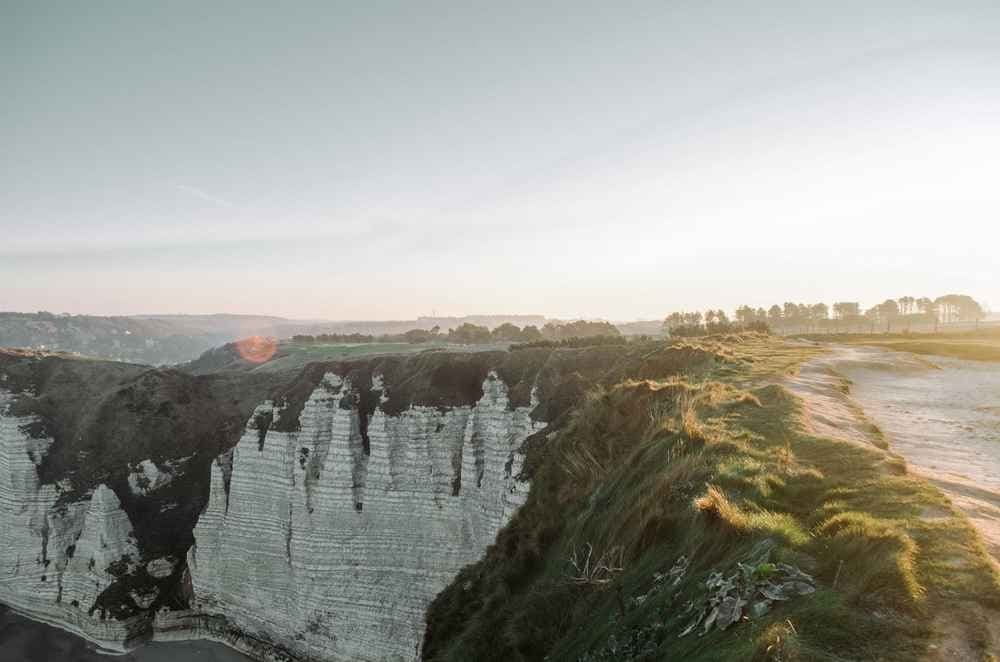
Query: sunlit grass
point(290, 356)
point(970, 345)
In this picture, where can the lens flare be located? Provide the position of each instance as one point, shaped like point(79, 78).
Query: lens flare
point(257, 349)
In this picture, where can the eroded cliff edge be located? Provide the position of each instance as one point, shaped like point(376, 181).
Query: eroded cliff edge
point(103, 472)
point(307, 516)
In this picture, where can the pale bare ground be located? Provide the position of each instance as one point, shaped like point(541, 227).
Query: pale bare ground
point(828, 410)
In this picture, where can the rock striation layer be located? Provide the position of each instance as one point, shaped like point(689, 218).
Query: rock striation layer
point(331, 540)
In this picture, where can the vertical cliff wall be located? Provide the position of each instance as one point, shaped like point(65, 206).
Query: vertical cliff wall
point(308, 515)
point(334, 538)
point(58, 557)
point(104, 468)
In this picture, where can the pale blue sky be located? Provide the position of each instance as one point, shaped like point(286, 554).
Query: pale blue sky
point(383, 160)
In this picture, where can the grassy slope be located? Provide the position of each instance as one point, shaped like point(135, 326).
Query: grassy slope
point(291, 355)
point(973, 345)
point(707, 466)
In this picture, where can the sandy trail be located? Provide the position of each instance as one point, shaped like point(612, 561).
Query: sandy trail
point(942, 415)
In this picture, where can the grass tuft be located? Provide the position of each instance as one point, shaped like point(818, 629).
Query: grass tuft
point(874, 557)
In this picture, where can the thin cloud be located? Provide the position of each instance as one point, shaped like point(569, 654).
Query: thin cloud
point(204, 195)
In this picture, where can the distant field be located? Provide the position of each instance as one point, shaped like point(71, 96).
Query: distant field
point(981, 345)
point(295, 355)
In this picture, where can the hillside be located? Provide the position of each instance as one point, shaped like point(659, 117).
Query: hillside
point(702, 518)
point(156, 340)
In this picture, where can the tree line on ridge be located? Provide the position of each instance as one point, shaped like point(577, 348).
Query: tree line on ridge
point(902, 314)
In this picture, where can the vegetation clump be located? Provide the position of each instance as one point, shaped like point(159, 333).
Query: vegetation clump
point(576, 341)
point(472, 334)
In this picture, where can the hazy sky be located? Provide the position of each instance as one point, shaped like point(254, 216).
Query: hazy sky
point(386, 160)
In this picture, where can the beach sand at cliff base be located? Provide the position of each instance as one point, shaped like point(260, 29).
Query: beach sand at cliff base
point(24, 640)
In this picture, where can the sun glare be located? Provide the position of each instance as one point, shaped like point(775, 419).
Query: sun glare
point(257, 349)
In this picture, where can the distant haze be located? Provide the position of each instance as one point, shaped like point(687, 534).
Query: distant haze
point(387, 160)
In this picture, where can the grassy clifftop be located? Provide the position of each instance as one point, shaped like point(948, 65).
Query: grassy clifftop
point(663, 509)
point(982, 345)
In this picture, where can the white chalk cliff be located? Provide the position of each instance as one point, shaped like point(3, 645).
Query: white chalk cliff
point(56, 559)
point(330, 545)
point(323, 543)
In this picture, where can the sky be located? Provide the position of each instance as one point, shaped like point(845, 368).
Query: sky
point(384, 160)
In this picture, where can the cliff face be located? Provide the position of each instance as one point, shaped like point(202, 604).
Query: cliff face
point(102, 477)
point(307, 516)
point(333, 539)
point(59, 558)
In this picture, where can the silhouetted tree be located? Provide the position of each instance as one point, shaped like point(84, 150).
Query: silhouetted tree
point(744, 315)
point(960, 308)
point(506, 332)
point(531, 333)
point(873, 317)
point(419, 335)
point(578, 329)
point(774, 315)
point(906, 304)
point(469, 334)
point(846, 309)
point(672, 321)
point(888, 311)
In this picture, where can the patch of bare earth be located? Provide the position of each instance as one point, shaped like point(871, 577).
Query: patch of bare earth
point(828, 411)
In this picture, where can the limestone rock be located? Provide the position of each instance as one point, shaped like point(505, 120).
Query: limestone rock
point(56, 559)
point(161, 567)
point(148, 477)
point(335, 538)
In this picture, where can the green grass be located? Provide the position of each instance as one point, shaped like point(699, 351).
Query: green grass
point(707, 467)
point(971, 345)
point(296, 355)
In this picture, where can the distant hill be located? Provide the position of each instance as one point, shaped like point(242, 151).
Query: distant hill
point(153, 340)
point(377, 328)
point(171, 339)
point(221, 323)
